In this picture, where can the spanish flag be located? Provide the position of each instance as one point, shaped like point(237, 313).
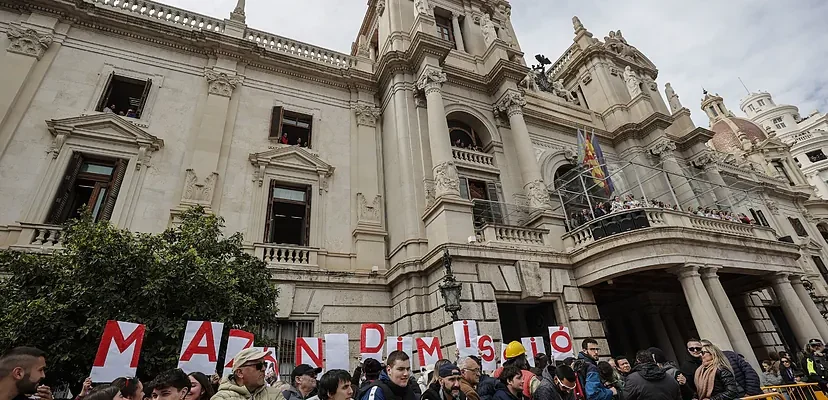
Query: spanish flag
point(593, 161)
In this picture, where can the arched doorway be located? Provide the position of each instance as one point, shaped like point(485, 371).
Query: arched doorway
point(572, 184)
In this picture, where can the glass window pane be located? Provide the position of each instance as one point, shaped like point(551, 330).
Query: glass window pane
point(98, 204)
point(97, 169)
point(288, 194)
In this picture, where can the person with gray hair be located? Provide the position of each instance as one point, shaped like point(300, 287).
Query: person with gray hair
point(469, 376)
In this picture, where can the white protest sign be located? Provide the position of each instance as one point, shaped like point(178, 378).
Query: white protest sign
point(502, 353)
point(199, 351)
point(465, 335)
point(371, 341)
point(561, 343)
point(401, 343)
point(309, 351)
point(337, 352)
point(118, 352)
point(237, 341)
point(270, 359)
point(487, 353)
point(533, 346)
point(428, 350)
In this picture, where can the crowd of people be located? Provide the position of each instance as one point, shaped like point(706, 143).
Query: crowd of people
point(708, 373)
point(619, 205)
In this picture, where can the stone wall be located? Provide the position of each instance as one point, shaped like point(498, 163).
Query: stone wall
point(757, 323)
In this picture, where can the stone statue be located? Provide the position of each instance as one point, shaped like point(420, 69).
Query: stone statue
point(528, 83)
point(559, 90)
point(576, 23)
point(421, 7)
point(633, 83)
point(672, 98)
point(488, 29)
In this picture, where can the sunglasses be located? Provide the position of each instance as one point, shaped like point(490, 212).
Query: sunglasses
point(260, 366)
point(694, 349)
point(706, 352)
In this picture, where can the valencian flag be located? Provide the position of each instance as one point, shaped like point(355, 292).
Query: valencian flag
point(592, 158)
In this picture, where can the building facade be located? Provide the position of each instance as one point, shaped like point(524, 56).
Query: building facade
point(352, 174)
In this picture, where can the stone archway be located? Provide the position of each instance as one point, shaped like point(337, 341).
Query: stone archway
point(482, 126)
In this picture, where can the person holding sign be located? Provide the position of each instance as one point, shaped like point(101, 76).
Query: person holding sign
point(247, 380)
point(21, 370)
point(393, 383)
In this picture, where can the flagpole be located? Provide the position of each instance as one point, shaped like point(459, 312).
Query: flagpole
point(566, 215)
point(591, 210)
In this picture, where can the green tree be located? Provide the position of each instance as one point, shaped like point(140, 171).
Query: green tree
point(60, 302)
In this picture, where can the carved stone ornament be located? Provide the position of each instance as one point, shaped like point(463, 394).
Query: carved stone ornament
point(586, 79)
point(366, 115)
point(537, 194)
point(429, 191)
point(380, 7)
point(576, 24)
point(221, 83)
point(672, 98)
point(559, 90)
point(772, 206)
point(196, 192)
point(652, 86)
point(633, 82)
point(616, 43)
point(705, 159)
point(615, 71)
point(432, 79)
point(363, 49)
point(446, 180)
point(369, 212)
point(528, 83)
point(511, 103)
point(664, 148)
point(488, 29)
point(421, 7)
point(27, 41)
point(238, 13)
point(419, 99)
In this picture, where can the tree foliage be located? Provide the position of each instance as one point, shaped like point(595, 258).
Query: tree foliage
point(60, 302)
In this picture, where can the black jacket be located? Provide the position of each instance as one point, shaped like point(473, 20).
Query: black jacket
point(488, 386)
point(504, 394)
point(650, 382)
point(386, 390)
point(548, 390)
point(745, 375)
point(725, 386)
point(789, 374)
point(688, 368)
point(433, 393)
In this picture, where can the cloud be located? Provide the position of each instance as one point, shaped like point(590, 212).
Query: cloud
point(776, 46)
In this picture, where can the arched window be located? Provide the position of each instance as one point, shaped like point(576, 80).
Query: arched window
point(464, 136)
point(570, 181)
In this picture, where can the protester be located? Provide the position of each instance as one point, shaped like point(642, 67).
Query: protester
point(172, 384)
point(816, 363)
point(770, 371)
point(789, 371)
point(622, 365)
point(108, 392)
point(372, 369)
point(587, 370)
point(393, 383)
point(541, 360)
point(516, 355)
point(21, 371)
point(558, 383)
point(302, 383)
point(609, 378)
point(745, 375)
point(487, 387)
point(246, 382)
point(469, 377)
point(714, 379)
point(131, 388)
point(649, 381)
point(449, 385)
point(335, 385)
point(85, 389)
point(512, 378)
point(200, 387)
point(691, 364)
point(672, 370)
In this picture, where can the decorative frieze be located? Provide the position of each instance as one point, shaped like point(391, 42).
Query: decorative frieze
point(220, 83)
point(431, 80)
point(369, 212)
point(28, 42)
point(511, 103)
point(198, 192)
point(366, 114)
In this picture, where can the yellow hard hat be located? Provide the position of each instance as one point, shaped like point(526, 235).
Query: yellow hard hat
point(514, 349)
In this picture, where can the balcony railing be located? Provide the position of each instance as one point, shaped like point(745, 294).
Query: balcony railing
point(285, 254)
point(161, 12)
point(474, 158)
point(299, 49)
point(512, 235)
point(37, 238)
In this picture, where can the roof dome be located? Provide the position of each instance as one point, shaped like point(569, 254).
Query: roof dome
point(726, 133)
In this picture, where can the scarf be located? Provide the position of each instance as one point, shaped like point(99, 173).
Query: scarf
point(705, 378)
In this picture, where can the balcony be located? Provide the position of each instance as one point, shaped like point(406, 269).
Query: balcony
point(286, 255)
point(474, 159)
point(505, 224)
point(511, 235)
point(37, 238)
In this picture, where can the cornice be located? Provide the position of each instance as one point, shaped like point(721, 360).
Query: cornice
point(424, 45)
point(390, 64)
point(696, 136)
point(505, 70)
point(598, 50)
point(641, 129)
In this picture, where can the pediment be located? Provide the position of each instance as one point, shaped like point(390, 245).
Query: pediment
point(104, 126)
point(292, 157)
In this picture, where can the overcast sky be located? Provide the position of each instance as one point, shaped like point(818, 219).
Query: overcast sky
point(777, 46)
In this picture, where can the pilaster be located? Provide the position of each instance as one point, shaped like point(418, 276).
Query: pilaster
point(369, 234)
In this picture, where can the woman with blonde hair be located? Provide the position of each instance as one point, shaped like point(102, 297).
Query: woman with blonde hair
point(714, 379)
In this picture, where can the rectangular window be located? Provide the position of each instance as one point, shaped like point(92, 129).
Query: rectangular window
point(816, 155)
point(820, 266)
point(445, 29)
point(288, 214)
point(798, 227)
point(750, 107)
point(124, 96)
point(88, 182)
point(288, 127)
point(781, 170)
point(761, 103)
point(713, 109)
point(778, 122)
point(285, 334)
point(761, 218)
point(484, 196)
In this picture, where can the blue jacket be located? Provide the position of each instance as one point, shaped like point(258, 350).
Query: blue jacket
point(592, 383)
point(384, 389)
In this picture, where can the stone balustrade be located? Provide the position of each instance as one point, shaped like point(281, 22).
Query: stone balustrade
point(511, 235)
point(285, 254)
point(162, 12)
point(803, 136)
point(299, 49)
point(34, 237)
point(563, 61)
point(473, 157)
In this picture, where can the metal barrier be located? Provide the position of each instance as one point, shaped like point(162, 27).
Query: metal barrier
point(775, 396)
point(799, 391)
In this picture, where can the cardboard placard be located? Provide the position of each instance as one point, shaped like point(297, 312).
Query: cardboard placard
point(119, 351)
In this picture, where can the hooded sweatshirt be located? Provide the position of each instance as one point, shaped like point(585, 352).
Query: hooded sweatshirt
point(650, 382)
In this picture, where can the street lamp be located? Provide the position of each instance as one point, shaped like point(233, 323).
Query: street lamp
point(450, 288)
point(820, 301)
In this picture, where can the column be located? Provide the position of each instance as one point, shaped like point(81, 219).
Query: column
point(512, 104)
point(810, 307)
point(684, 192)
point(821, 186)
point(677, 339)
point(704, 313)
point(446, 181)
point(731, 322)
point(803, 327)
point(458, 35)
point(720, 188)
point(662, 336)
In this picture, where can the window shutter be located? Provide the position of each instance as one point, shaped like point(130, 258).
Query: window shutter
point(105, 95)
point(114, 188)
point(58, 213)
point(308, 196)
point(464, 188)
point(144, 97)
point(276, 122)
point(755, 218)
point(762, 220)
point(269, 217)
point(497, 213)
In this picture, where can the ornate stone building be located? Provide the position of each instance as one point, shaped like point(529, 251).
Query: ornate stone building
point(350, 174)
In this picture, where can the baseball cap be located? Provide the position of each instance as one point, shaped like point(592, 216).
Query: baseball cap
point(303, 369)
point(449, 370)
point(247, 355)
point(371, 366)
